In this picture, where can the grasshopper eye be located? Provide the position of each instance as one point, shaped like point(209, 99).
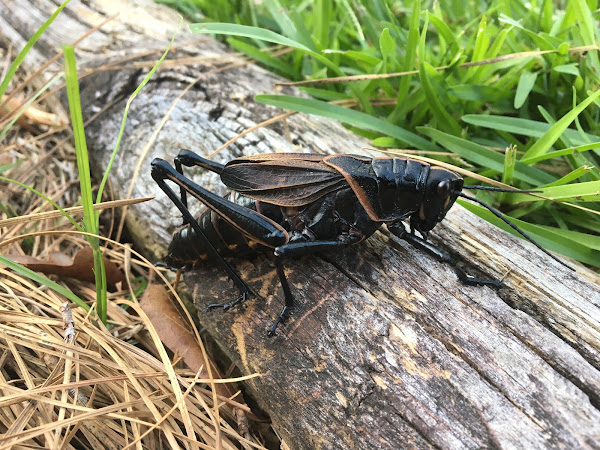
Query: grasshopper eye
point(443, 189)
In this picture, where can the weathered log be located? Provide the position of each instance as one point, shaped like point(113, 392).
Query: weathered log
point(387, 349)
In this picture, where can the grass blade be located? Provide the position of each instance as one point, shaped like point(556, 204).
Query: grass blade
point(262, 57)
point(526, 83)
point(286, 25)
point(345, 115)
point(545, 142)
point(270, 36)
point(261, 34)
point(576, 192)
point(571, 176)
point(124, 120)
point(485, 157)
point(65, 214)
point(547, 237)
point(523, 127)
point(41, 279)
point(410, 53)
point(37, 95)
point(426, 71)
point(23, 53)
point(90, 217)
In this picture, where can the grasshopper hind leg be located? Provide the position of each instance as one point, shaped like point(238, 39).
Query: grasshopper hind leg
point(161, 171)
point(188, 158)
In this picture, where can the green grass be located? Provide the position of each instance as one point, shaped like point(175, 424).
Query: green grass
point(91, 222)
point(12, 70)
point(90, 217)
point(477, 80)
point(3, 86)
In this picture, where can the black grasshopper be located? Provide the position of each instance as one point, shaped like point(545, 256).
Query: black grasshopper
point(294, 204)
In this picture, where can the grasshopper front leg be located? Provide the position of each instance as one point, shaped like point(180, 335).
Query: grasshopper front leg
point(398, 229)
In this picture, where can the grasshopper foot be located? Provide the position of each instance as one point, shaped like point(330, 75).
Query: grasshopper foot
point(285, 313)
point(242, 298)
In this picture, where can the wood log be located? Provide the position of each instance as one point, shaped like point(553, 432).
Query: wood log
point(387, 348)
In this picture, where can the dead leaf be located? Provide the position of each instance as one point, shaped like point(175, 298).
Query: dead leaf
point(5, 158)
point(174, 333)
point(32, 114)
point(79, 267)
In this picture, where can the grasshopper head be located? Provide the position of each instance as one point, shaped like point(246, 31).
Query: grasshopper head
point(442, 189)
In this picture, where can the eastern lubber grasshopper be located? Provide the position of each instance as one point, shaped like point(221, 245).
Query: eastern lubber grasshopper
point(295, 204)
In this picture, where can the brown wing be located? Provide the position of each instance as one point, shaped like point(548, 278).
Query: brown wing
point(283, 179)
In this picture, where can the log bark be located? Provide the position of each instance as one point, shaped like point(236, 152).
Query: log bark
point(386, 349)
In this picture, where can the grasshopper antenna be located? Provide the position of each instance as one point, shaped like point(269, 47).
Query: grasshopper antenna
point(497, 189)
point(508, 222)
